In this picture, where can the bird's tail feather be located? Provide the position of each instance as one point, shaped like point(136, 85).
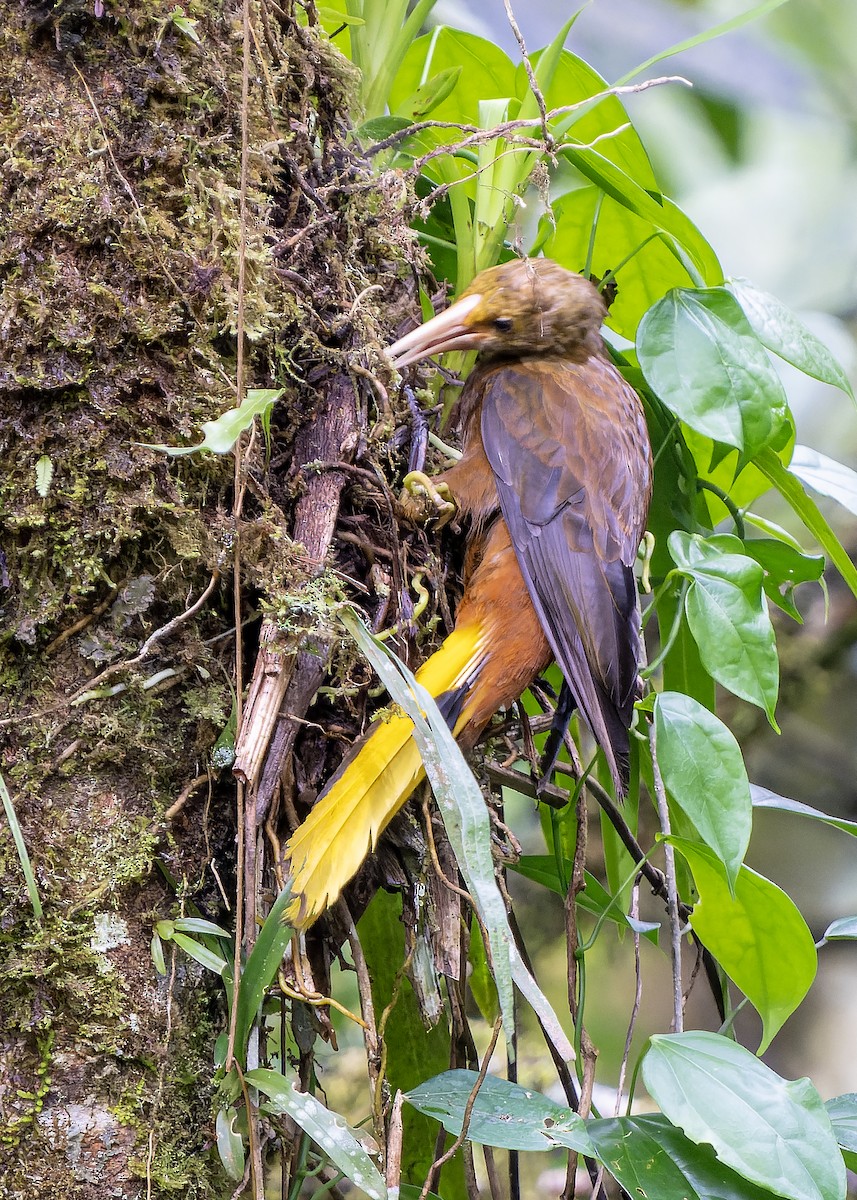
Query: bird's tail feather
point(346, 822)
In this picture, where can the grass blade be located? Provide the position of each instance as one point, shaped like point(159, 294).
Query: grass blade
point(23, 856)
point(708, 35)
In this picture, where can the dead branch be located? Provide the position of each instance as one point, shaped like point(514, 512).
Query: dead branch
point(323, 439)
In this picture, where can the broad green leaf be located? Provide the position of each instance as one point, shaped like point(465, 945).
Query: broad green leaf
point(826, 476)
point(777, 327)
point(484, 72)
point(699, 354)
point(412, 1050)
point(377, 129)
point(756, 934)
point(653, 1160)
point(205, 957)
point(327, 1129)
point(480, 978)
point(703, 771)
point(486, 75)
point(684, 239)
point(541, 869)
point(683, 669)
point(222, 434)
point(792, 491)
point(230, 1144)
point(785, 567)
point(465, 817)
point(772, 529)
point(545, 63)
point(594, 899)
point(647, 267)
point(774, 1132)
point(843, 929)
point(763, 798)
point(728, 617)
point(261, 968)
point(417, 15)
point(842, 1111)
point(503, 1114)
point(728, 469)
point(572, 81)
point(675, 501)
point(506, 178)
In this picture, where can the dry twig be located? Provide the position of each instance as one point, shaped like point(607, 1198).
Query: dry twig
point(476, 135)
point(468, 1111)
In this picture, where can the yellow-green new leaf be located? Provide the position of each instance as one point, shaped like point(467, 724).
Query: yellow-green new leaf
point(222, 434)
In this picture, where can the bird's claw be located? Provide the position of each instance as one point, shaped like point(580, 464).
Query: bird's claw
point(422, 499)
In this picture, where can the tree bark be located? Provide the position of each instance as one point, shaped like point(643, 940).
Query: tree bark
point(128, 236)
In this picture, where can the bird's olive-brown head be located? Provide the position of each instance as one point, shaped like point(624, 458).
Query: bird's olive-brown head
point(526, 306)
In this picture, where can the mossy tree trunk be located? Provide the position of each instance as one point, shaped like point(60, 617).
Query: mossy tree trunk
point(135, 259)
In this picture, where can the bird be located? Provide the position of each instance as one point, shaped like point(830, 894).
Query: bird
point(553, 488)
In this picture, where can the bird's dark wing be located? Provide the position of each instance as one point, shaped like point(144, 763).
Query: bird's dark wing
point(568, 445)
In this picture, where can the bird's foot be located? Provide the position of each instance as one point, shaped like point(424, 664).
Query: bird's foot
point(422, 500)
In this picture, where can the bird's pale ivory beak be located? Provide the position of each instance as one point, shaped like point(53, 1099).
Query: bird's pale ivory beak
point(447, 331)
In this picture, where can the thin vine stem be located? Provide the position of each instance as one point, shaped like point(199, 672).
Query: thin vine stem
point(648, 671)
point(706, 485)
point(672, 887)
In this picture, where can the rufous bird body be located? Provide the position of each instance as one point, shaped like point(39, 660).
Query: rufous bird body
point(553, 485)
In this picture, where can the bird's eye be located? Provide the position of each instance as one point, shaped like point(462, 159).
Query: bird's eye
point(504, 324)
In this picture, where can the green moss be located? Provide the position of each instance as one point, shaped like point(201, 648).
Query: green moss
point(28, 1102)
point(305, 609)
point(129, 1108)
point(53, 964)
point(120, 237)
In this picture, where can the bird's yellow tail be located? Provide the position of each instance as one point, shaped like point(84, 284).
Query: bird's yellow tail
point(345, 824)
